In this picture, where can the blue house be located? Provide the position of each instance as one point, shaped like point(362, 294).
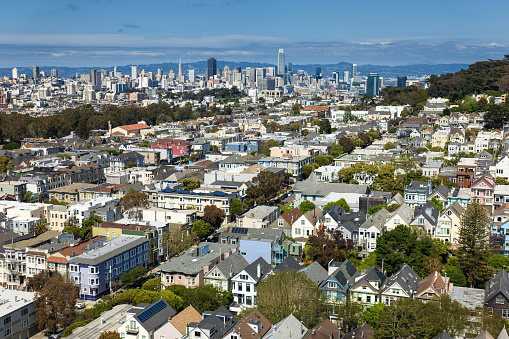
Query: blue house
point(339, 282)
point(417, 193)
point(499, 238)
point(93, 270)
point(243, 146)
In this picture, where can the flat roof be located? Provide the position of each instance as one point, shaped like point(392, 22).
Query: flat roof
point(11, 300)
point(109, 250)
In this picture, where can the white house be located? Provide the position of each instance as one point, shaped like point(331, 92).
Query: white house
point(143, 320)
point(244, 284)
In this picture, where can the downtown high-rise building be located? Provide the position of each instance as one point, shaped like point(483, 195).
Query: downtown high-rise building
point(354, 72)
point(192, 75)
point(15, 73)
point(211, 68)
point(35, 72)
point(290, 68)
point(54, 73)
point(281, 62)
point(373, 85)
point(401, 82)
point(134, 72)
point(346, 76)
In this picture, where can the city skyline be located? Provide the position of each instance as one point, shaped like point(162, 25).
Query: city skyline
point(79, 33)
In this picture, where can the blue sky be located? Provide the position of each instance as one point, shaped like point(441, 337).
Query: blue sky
point(121, 32)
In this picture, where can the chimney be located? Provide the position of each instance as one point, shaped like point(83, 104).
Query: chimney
point(259, 270)
point(231, 270)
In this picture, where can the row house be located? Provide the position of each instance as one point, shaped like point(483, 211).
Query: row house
point(336, 287)
point(449, 223)
point(370, 230)
point(440, 138)
point(190, 268)
point(180, 199)
point(179, 148)
point(221, 274)
point(483, 190)
point(244, 284)
point(119, 162)
point(466, 170)
point(402, 216)
point(94, 270)
point(417, 193)
point(291, 164)
point(367, 287)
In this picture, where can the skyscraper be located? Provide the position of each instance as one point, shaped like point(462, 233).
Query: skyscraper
point(290, 68)
point(211, 68)
point(54, 73)
point(281, 62)
point(346, 76)
point(354, 72)
point(15, 74)
point(318, 72)
point(402, 82)
point(134, 72)
point(373, 85)
point(192, 75)
point(95, 79)
point(35, 72)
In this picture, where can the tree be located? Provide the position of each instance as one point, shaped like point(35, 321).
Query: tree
point(474, 250)
point(176, 241)
point(341, 202)
point(30, 197)
point(369, 261)
point(132, 202)
point(5, 164)
point(269, 183)
point(371, 315)
point(306, 206)
point(307, 170)
point(88, 224)
point(389, 145)
point(501, 181)
point(375, 209)
point(203, 297)
point(388, 181)
point(213, 215)
point(402, 245)
point(487, 320)
point(284, 293)
point(351, 313)
point(236, 207)
point(38, 281)
point(498, 261)
point(325, 127)
point(11, 145)
point(130, 164)
point(438, 204)
point(39, 228)
point(346, 144)
point(109, 335)
point(151, 284)
point(133, 275)
point(55, 304)
point(336, 150)
point(392, 129)
point(201, 228)
point(324, 160)
point(190, 184)
point(327, 245)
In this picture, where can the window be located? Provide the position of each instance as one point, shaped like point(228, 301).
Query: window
point(74, 268)
point(93, 270)
point(239, 287)
point(505, 313)
point(24, 311)
point(303, 222)
point(248, 287)
point(197, 334)
point(368, 299)
point(499, 300)
point(7, 320)
point(7, 332)
point(280, 222)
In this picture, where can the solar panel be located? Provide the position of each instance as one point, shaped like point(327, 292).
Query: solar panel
point(219, 193)
point(240, 230)
point(350, 268)
point(183, 191)
point(149, 312)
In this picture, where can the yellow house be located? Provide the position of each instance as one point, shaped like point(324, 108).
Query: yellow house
point(57, 217)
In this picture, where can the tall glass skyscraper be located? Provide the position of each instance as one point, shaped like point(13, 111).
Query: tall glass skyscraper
point(211, 68)
point(281, 62)
point(373, 85)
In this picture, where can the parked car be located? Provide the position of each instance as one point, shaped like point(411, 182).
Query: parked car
point(58, 334)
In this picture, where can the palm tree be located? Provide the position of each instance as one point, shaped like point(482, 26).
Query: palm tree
point(40, 227)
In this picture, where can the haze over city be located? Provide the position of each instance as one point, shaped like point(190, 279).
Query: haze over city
point(107, 33)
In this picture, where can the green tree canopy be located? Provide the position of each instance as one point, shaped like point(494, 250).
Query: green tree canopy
point(306, 206)
point(133, 275)
point(325, 246)
point(201, 228)
point(284, 293)
point(402, 245)
point(190, 184)
point(341, 202)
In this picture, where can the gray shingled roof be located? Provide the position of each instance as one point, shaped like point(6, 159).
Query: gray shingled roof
point(235, 262)
point(406, 278)
point(315, 272)
point(498, 284)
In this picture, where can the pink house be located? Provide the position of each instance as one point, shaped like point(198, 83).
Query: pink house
point(483, 189)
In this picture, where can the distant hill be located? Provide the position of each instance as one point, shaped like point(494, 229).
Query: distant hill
point(417, 70)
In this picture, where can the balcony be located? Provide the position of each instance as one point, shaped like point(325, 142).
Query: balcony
point(130, 330)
